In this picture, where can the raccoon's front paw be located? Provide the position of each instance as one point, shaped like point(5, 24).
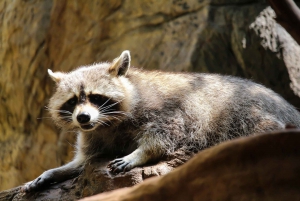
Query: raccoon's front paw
point(120, 165)
point(38, 183)
point(136, 158)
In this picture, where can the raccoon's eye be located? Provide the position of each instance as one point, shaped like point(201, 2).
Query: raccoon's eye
point(97, 99)
point(104, 103)
point(72, 101)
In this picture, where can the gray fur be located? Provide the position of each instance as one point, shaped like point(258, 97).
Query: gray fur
point(161, 112)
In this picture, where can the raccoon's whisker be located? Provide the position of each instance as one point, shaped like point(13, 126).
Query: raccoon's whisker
point(107, 110)
point(111, 105)
point(106, 117)
point(61, 111)
point(72, 145)
point(65, 112)
point(115, 112)
point(43, 118)
point(67, 118)
point(108, 106)
point(116, 118)
point(104, 103)
point(102, 122)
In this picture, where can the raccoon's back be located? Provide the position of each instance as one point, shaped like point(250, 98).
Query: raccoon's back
point(244, 95)
point(211, 95)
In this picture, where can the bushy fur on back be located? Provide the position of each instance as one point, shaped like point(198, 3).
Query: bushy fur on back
point(162, 111)
point(142, 115)
point(200, 110)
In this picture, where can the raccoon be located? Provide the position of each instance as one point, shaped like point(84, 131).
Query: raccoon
point(141, 116)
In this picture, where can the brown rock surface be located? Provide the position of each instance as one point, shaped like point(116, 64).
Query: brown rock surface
point(237, 37)
point(264, 167)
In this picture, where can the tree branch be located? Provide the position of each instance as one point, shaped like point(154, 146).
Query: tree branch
point(288, 16)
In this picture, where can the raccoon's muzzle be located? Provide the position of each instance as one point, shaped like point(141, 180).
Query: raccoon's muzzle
point(83, 117)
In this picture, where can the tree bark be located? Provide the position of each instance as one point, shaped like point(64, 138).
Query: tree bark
point(95, 179)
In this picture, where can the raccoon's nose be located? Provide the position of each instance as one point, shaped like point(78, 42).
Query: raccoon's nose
point(83, 117)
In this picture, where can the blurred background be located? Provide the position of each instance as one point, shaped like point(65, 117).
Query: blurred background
point(232, 37)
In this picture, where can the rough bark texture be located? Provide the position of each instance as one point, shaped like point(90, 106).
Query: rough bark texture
point(288, 16)
point(97, 179)
point(237, 37)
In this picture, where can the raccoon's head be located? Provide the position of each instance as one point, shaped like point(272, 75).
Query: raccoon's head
point(92, 96)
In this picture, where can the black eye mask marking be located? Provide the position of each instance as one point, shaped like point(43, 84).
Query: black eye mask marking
point(103, 103)
point(67, 109)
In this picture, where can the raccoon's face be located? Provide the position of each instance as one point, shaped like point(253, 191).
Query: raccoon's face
point(92, 96)
point(90, 110)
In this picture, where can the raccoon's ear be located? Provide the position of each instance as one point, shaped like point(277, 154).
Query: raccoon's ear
point(56, 77)
point(120, 65)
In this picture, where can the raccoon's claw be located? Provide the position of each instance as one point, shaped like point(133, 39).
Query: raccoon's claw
point(136, 158)
point(37, 184)
point(119, 165)
point(31, 186)
point(25, 188)
point(34, 185)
